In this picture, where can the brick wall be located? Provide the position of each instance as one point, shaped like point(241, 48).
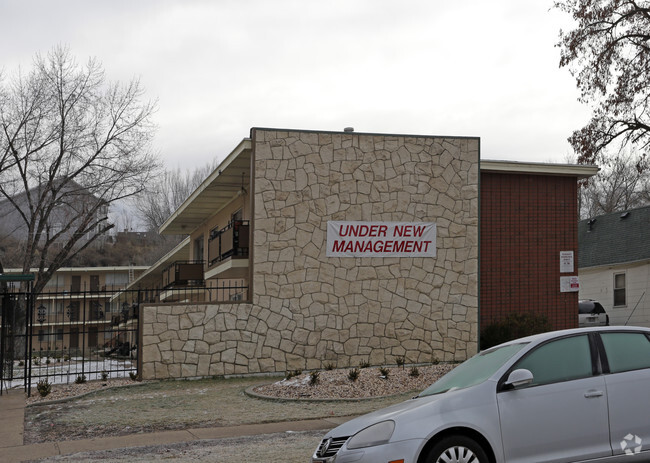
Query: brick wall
point(526, 220)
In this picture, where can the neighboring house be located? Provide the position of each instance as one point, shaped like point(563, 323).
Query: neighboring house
point(614, 263)
point(77, 309)
point(74, 202)
point(269, 221)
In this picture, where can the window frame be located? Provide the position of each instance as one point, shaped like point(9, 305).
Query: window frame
point(594, 353)
point(603, 352)
point(618, 289)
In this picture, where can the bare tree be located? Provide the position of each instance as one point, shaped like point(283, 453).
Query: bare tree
point(621, 184)
point(608, 54)
point(168, 193)
point(71, 144)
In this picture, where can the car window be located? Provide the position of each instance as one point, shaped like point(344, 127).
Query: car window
point(589, 307)
point(475, 370)
point(626, 351)
point(560, 360)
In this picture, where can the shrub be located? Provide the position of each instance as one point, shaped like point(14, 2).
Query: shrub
point(515, 325)
point(21, 363)
point(364, 364)
point(133, 376)
point(80, 379)
point(353, 374)
point(329, 366)
point(384, 372)
point(313, 378)
point(104, 375)
point(292, 374)
point(44, 387)
point(414, 372)
point(400, 361)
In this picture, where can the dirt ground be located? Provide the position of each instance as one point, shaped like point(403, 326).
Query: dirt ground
point(170, 405)
point(285, 448)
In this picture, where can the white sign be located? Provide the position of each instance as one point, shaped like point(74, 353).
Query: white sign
point(566, 261)
point(569, 284)
point(381, 239)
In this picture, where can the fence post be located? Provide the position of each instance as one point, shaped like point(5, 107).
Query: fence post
point(83, 337)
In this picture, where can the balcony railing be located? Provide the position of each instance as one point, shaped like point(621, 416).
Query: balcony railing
point(231, 241)
point(183, 273)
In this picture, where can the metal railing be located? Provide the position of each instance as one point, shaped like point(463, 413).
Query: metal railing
point(231, 241)
point(64, 337)
point(183, 273)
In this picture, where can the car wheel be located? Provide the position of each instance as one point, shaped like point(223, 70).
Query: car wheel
point(457, 449)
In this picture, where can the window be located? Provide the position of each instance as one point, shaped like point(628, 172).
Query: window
point(626, 351)
point(117, 279)
point(561, 360)
point(619, 289)
point(41, 335)
point(59, 307)
point(59, 334)
point(198, 248)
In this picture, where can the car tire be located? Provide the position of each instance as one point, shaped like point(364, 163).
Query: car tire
point(457, 449)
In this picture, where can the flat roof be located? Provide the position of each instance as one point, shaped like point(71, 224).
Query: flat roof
point(227, 180)
point(539, 168)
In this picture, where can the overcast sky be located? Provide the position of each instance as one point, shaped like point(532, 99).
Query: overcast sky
point(219, 67)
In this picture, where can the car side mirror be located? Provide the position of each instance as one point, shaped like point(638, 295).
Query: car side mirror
point(520, 377)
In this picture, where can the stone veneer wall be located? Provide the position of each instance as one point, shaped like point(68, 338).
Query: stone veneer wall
point(307, 309)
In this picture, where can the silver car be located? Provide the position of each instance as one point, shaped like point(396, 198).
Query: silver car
point(566, 396)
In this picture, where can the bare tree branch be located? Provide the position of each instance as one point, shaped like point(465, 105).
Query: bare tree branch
point(609, 55)
point(71, 144)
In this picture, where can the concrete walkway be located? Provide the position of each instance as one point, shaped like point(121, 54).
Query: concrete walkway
point(12, 419)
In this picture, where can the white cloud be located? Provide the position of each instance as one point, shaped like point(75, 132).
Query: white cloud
point(469, 67)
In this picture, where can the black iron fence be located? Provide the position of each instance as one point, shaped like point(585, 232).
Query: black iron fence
point(64, 337)
point(68, 337)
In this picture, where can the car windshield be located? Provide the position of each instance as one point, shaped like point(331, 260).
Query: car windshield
point(475, 370)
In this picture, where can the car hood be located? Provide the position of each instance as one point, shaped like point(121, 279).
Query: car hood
point(393, 412)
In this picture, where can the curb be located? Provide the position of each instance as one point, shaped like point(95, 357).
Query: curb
point(256, 395)
point(82, 395)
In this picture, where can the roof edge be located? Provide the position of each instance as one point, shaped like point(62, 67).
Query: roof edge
point(111, 268)
point(629, 263)
point(539, 168)
point(373, 134)
point(158, 264)
point(242, 146)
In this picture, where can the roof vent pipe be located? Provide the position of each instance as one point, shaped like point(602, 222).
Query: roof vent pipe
point(348, 129)
point(590, 224)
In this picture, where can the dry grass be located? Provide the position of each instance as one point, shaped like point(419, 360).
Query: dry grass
point(167, 405)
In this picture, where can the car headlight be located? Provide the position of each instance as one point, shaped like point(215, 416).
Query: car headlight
point(376, 434)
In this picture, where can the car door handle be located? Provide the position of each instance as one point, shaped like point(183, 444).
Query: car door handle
point(593, 393)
